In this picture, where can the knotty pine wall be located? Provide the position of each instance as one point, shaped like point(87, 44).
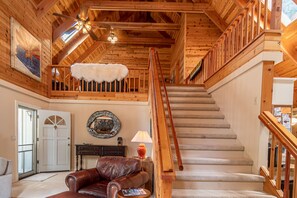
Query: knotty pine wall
point(25, 13)
point(201, 34)
point(177, 58)
point(135, 56)
point(197, 35)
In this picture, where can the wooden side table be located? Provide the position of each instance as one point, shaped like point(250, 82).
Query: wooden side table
point(148, 194)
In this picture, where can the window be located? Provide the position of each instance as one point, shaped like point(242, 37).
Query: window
point(289, 12)
point(70, 33)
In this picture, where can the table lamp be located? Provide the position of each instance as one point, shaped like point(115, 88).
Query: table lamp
point(142, 137)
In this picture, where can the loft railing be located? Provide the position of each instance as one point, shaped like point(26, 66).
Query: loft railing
point(164, 166)
point(249, 25)
point(62, 83)
point(281, 175)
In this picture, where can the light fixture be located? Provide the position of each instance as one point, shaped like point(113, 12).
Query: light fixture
point(112, 37)
point(142, 137)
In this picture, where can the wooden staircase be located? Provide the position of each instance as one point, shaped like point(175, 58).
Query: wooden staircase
point(215, 164)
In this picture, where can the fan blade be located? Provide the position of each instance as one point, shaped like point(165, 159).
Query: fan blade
point(93, 35)
point(64, 16)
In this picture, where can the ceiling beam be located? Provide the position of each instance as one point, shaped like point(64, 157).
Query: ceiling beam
point(217, 20)
point(44, 6)
point(138, 26)
point(148, 6)
point(70, 47)
point(241, 3)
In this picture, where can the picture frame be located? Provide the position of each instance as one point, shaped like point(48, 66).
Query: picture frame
point(25, 51)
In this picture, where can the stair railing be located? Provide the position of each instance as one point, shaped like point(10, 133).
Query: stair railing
point(176, 146)
point(281, 139)
point(164, 166)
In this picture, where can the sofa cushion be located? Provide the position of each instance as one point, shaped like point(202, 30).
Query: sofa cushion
point(98, 189)
point(114, 167)
point(3, 166)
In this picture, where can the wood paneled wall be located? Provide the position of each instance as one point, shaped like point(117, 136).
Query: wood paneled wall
point(201, 34)
point(24, 12)
point(177, 58)
point(197, 35)
point(135, 56)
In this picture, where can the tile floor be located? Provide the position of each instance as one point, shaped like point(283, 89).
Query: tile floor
point(36, 189)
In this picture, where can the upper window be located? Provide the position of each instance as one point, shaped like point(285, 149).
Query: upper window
point(70, 33)
point(289, 12)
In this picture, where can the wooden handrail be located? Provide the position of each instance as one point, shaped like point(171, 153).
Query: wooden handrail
point(280, 138)
point(164, 166)
point(176, 146)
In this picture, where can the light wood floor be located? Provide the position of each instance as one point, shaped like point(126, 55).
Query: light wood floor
point(36, 189)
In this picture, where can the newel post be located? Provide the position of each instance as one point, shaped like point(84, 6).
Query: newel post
point(276, 14)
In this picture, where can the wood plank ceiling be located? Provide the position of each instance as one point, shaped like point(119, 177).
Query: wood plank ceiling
point(125, 17)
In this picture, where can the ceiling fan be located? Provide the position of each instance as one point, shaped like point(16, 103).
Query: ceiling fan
point(80, 24)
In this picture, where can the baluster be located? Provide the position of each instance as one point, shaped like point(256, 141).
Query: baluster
point(272, 154)
point(69, 81)
point(253, 21)
point(144, 88)
point(242, 32)
point(247, 27)
point(279, 166)
point(287, 174)
point(259, 17)
point(295, 179)
point(265, 14)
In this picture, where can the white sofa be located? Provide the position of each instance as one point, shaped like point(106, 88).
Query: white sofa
point(5, 178)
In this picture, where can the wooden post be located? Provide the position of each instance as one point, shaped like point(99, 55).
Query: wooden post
point(276, 13)
point(267, 85)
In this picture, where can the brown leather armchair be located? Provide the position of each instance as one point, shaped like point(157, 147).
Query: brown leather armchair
point(110, 175)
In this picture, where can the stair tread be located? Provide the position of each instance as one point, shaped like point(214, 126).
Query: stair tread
point(216, 161)
point(206, 135)
point(202, 125)
point(219, 193)
point(233, 147)
point(218, 176)
point(188, 94)
point(186, 100)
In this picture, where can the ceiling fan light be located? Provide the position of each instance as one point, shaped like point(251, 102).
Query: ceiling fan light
point(113, 41)
point(84, 30)
point(88, 27)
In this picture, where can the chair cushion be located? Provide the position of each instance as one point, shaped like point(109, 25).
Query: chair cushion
point(98, 189)
point(114, 167)
point(3, 165)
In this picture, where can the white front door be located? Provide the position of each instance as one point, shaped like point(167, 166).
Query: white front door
point(53, 150)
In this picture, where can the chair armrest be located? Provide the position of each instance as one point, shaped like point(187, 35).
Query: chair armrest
point(79, 179)
point(130, 181)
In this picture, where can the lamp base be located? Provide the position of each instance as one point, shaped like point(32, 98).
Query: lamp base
point(141, 150)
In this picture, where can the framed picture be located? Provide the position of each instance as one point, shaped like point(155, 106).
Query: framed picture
point(25, 51)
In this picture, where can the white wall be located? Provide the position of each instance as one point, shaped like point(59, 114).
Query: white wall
point(239, 97)
point(11, 97)
point(133, 116)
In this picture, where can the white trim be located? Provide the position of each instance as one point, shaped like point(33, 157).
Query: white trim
point(263, 56)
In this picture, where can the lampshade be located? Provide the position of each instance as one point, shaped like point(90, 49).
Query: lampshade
point(142, 137)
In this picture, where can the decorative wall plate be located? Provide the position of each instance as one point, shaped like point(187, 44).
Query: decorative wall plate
point(103, 124)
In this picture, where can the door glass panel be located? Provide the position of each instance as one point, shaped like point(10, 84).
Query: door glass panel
point(26, 143)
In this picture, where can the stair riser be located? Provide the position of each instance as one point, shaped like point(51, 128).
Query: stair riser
point(218, 185)
point(184, 89)
point(184, 100)
point(201, 130)
point(180, 121)
point(216, 154)
point(216, 168)
point(206, 141)
point(215, 115)
point(204, 106)
point(188, 94)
